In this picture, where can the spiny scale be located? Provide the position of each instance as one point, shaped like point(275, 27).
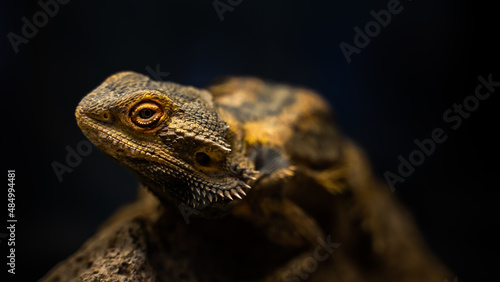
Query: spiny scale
point(241, 190)
point(234, 193)
point(226, 193)
point(205, 195)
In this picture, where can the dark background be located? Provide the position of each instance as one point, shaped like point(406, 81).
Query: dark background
point(396, 90)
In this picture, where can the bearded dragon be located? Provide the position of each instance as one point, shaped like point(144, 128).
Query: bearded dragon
point(245, 180)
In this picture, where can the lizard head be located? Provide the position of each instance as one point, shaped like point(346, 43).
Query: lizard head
point(170, 136)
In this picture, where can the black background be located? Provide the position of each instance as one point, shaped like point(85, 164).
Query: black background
point(396, 90)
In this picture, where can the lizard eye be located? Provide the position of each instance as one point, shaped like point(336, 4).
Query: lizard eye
point(146, 114)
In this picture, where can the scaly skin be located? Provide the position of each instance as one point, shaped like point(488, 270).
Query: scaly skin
point(266, 170)
point(181, 151)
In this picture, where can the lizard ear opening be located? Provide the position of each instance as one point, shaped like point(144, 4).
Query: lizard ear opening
point(202, 159)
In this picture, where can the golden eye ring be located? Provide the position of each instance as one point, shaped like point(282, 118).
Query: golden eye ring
point(146, 114)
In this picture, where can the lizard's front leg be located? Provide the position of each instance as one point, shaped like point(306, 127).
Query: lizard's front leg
point(285, 224)
point(282, 221)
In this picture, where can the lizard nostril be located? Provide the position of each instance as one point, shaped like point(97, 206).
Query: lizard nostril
point(101, 116)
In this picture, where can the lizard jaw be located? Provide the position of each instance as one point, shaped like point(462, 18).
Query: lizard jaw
point(203, 192)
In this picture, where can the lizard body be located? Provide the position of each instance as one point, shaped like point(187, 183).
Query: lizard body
point(266, 171)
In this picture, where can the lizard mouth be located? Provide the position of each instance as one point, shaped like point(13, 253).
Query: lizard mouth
point(197, 190)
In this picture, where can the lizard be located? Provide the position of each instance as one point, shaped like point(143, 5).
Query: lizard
point(271, 189)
